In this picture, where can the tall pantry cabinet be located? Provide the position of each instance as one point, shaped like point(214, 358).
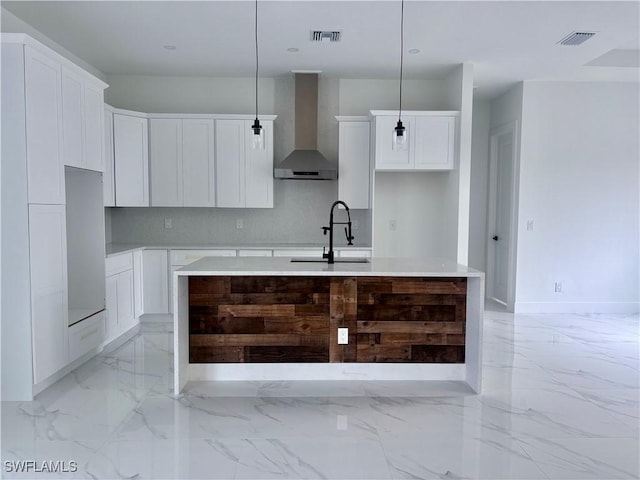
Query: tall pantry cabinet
point(35, 140)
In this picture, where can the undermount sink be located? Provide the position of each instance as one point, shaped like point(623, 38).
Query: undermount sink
point(337, 260)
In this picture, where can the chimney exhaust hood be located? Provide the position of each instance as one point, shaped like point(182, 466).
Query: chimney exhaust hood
point(306, 162)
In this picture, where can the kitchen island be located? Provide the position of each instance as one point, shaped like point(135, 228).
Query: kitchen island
point(269, 318)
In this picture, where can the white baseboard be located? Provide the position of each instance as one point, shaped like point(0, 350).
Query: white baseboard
point(577, 307)
point(326, 371)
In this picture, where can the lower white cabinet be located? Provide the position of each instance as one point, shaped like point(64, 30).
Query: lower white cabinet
point(119, 296)
point(155, 284)
point(86, 335)
point(49, 290)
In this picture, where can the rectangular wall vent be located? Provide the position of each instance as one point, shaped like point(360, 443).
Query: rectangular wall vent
point(325, 36)
point(576, 38)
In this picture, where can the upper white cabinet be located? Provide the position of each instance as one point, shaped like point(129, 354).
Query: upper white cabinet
point(43, 116)
point(131, 159)
point(244, 175)
point(354, 177)
point(430, 141)
point(108, 181)
point(182, 162)
point(82, 118)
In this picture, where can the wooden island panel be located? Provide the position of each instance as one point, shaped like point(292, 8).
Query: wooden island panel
point(259, 319)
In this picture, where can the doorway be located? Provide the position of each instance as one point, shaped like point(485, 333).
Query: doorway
point(501, 245)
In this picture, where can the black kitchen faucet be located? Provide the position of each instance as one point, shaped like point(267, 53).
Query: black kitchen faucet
point(347, 230)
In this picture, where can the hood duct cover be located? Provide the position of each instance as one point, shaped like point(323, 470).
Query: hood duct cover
point(306, 162)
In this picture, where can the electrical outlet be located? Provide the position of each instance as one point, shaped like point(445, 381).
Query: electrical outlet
point(343, 336)
point(239, 224)
point(392, 225)
point(529, 225)
point(355, 224)
point(168, 223)
point(558, 287)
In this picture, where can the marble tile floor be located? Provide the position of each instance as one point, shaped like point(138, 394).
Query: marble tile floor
point(560, 401)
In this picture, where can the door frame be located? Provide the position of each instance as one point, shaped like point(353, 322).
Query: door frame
point(491, 214)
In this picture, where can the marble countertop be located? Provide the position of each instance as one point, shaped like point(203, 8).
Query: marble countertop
point(378, 266)
point(118, 248)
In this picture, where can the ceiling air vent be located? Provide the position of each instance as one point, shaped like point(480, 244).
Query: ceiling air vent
point(576, 38)
point(325, 36)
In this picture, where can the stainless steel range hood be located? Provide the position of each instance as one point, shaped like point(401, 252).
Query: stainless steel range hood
point(306, 162)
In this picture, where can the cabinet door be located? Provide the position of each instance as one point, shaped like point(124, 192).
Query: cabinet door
point(230, 186)
point(165, 162)
point(72, 119)
point(45, 170)
point(386, 156)
point(434, 141)
point(124, 286)
point(111, 328)
point(138, 289)
point(93, 127)
point(259, 167)
point(155, 281)
point(131, 158)
point(108, 185)
point(353, 163)
point(48, 269)
point(198, 165)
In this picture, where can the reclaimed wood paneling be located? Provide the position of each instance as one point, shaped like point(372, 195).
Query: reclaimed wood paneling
point(411, 319)
point(296, 319)
point(259, 319)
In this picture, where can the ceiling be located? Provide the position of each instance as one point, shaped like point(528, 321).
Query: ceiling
point(507, 41)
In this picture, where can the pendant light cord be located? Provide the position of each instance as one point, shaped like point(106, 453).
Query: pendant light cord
point(401, 54)
point(256, 38)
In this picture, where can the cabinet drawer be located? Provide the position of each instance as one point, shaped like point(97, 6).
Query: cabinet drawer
point(311, 252)
point(86, 335)
point(118, 263)
point(185, 257)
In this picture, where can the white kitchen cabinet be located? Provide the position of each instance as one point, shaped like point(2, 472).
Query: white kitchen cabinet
point(182, 162)
point(155, 281)
point(430, 141)
point(354, 172)
point(108, 185)
point(43, 115)
point(138, 285)
point(94, 126)
point(258, 167)
point(49, 297)
point(244, 176)
point(120, 296)
point(131, 159)
point(86, 335)
point(72, 121)
point(198, 163)
point(82, 118)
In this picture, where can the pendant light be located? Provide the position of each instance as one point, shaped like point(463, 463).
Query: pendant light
point(256, 127)
point(400, 132)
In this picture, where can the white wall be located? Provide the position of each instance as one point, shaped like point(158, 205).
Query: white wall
point(579, 177)
point(358, 96)
point(479, 191)
point(12, 24)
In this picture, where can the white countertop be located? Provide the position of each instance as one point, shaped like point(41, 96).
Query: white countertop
point(118, 248)
point(395, 267)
